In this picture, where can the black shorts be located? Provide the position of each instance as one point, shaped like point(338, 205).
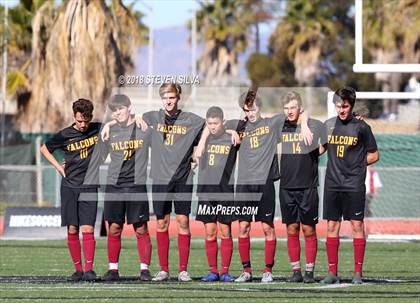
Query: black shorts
point(78, 206)
point(299, 205)
point(178, 193)
point(121, 202)
point(349, 205)
point(262, 203)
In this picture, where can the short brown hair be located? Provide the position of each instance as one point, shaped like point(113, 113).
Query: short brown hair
point(292, 95)
point(249, 99)
point(170, 87)
point(345, 93)
point(83, 106)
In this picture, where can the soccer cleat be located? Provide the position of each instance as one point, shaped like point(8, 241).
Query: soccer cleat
point(308, 277)
point(184, 276)
point(244, 277)
point(357, 278)
point(226, 278)
point(161, 276)
point(210, 277)
point(89, 276)
point(145, 276)
point(296, 277)
point(76, 276)
point(267, 277)
point(111, 276)
point(330, 279)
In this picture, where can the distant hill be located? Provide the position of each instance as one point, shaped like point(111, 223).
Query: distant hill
point(172, 53)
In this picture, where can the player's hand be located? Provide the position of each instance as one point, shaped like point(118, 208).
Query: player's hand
point(308, 136)
point(199, 150)
point(236, 140)
point(194, 164)
point(105, 132)
point(141, 123)
point(358, 116)
point(61, 171)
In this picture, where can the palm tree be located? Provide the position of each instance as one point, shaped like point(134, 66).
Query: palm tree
point(78, 50)
point(223, 26)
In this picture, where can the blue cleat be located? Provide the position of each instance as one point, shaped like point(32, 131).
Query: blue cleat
point(226, 278)
point(210, 277)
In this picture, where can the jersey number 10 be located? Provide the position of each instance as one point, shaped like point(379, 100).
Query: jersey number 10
point(84, 153)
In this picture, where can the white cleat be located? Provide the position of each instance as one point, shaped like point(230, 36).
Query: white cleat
point(161, 276)
point(244, 277)
point(267, 277)
point(184, 276)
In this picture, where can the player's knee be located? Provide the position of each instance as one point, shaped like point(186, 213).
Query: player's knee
point(357, 226)
point(162, 225)
point(293, 229)
point(140, 229)
point(115, 230)
point(87, 229)
point(333, 227)
point(269, 232)
point(225, 233)
point(308, 230)
point(244, 229)
point(73, 230)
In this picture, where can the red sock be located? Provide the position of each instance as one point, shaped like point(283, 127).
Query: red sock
point(88, 250)
point(226, 250)
point(311, 248)
point(244, 247)
point(359, 245)
point(270, 251)
point(144, 248)
point(293, 248)
point(184, 243)
point(114, 249)
point(211, 251)
point(73, 244)
point(332, 245)
point(162, 239)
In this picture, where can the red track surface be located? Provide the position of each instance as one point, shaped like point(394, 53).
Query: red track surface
point(389, 227)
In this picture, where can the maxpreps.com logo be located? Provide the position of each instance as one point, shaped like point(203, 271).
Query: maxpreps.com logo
point(219, 209)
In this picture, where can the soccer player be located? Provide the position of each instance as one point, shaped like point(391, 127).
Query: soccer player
point(78, 212)
point(257, 172)
point(215, 191)
point(126, 194)
point(174, 135)
point(351, 148)
point(298, 186)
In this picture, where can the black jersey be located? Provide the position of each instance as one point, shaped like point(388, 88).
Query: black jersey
point(217, 166)
point(348, 144)
point(173, 141)
point(257, 157)
point(128, 147)
point(78, 149)
point(299, 162)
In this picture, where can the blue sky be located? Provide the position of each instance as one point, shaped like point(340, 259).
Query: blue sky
point(165, 13)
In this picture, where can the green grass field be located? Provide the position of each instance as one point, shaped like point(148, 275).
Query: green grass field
point(39, 269)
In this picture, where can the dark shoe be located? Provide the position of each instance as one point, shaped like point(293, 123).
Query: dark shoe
point(357, 278)
point(76, 276)
point(111, 276)
point(296, 277)
point(145, 276)
point(308, 277)
point(330, 279)
point(89, 276)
